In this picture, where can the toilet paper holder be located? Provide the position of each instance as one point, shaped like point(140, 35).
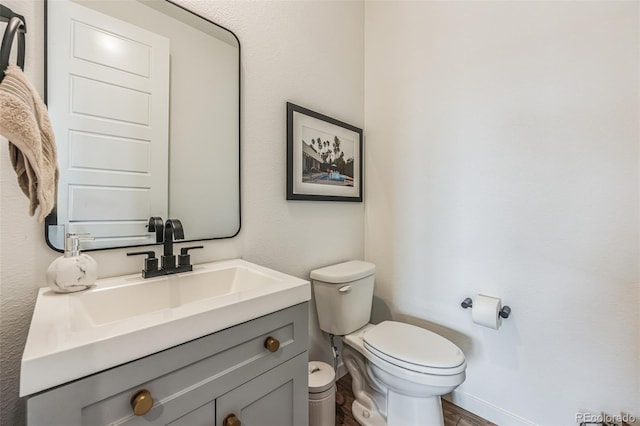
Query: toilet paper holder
point(504, 312)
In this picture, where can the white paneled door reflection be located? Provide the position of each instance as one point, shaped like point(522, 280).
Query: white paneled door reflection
point(109, 103)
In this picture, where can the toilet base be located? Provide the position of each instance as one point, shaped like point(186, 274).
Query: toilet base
point(432, 411)
point(366, 417)
point(411, 411)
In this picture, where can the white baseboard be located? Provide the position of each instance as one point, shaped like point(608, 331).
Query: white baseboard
point(486, 410)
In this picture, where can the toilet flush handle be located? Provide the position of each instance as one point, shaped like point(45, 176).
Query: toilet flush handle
point(345, 290)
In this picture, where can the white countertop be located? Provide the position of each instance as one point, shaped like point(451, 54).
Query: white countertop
point(65, 343)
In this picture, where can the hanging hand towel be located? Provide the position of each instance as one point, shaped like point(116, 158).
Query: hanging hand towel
point(24, 120)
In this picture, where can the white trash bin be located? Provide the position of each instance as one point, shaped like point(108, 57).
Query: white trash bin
point(322, 394)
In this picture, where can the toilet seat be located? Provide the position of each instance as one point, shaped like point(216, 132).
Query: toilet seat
point(414, 348)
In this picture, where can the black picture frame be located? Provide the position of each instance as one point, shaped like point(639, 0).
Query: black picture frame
point(324, 157)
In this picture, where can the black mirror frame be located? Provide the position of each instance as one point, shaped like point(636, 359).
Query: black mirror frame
point(52, 218)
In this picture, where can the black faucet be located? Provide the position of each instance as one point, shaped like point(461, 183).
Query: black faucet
point(172, 230)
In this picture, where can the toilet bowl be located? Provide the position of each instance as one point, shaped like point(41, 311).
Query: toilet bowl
point(405, 370)
point(399, 371)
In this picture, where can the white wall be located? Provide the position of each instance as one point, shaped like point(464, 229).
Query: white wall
point(285, 57)
point(24, 256)
point(502, 158)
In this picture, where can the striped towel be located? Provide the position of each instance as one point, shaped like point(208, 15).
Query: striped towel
point(24, 121)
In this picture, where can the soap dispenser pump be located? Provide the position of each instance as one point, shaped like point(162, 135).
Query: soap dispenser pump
point(75, 271)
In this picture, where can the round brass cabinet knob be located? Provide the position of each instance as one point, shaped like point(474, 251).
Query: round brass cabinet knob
point(272, 344)
point(231, 420)
point(141, 402)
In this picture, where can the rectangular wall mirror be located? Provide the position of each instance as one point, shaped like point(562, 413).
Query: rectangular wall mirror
point(144, 99)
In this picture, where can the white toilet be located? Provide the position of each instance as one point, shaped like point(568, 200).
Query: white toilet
point(398, 371)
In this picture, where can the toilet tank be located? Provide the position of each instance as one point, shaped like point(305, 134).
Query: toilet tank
point(344, 294)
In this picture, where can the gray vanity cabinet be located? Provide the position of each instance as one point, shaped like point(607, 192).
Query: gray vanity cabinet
point(202, 382)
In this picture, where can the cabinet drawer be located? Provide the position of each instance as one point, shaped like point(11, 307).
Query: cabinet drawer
point(180, 379)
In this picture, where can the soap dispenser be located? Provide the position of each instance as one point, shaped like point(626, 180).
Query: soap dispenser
point(74, 271)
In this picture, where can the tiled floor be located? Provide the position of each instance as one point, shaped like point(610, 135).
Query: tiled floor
point(453, 415)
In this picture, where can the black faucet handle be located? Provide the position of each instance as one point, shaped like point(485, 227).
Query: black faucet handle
point(151, 254)
point(185, 250)
point(150, 263)
point(184, 259)
point(156, 225)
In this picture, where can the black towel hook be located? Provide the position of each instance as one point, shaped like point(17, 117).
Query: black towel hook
point(16, 24)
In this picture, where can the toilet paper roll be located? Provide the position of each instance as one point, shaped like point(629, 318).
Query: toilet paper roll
point(486, 310)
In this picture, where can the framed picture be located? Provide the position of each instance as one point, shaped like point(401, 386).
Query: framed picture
point(324, 157)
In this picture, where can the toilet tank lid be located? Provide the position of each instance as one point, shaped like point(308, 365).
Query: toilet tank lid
point(344, 272)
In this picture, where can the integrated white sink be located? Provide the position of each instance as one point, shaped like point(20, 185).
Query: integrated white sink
point(125, 318)
point(104, 305)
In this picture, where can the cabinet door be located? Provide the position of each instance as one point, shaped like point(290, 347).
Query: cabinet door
point(278, 397)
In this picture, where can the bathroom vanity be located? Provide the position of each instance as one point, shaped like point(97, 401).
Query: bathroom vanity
point(205, 381)
point(132, 101)
point(246, 367)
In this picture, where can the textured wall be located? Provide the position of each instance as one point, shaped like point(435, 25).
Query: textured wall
point(284, 58)
point(23, 255)
point(503, 159)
